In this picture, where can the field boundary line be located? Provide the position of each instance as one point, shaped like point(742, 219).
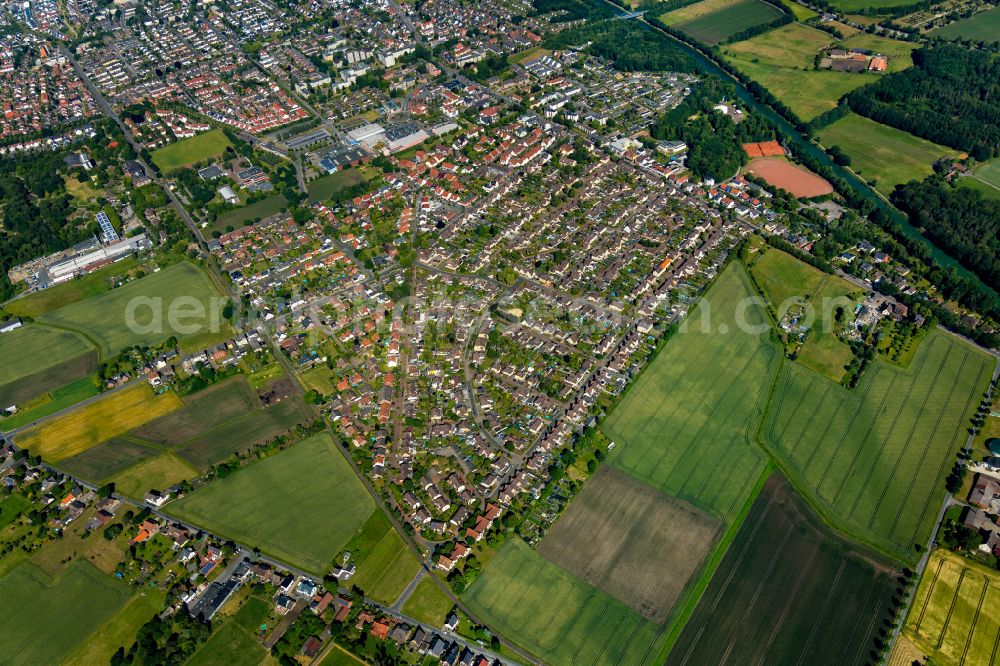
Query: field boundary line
point(804, 570)
point(930, 592)
point(822, 612)
point(871, 622)
point(951, 608)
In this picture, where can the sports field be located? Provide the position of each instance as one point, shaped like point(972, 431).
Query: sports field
point(782, 61)
point(557, 616)
point(202, 412)
point(177, 301)
point(186, 152)
point(984, 26)
point(244, 432)
point(38, 359)
point(788, 592)
point(953, 618)
point(723, 19)
point(42, 620)
point(790, 177)
point(631, 541)
point(873, 460)
point(881, 153)
point(99, 421)
point(700, 402)
point(301, 505)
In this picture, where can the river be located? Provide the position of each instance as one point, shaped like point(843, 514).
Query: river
point(806, 145)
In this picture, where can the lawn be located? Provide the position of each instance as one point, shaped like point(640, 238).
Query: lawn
point(788, 591)
point(52, 402)
point(248, 214)
point(119, 630)
point(984, 26)
point(301, 505)
point(73, 291)
point(700, 401)
point(11, 507)
point(229, 644)
point(555, 615)
point(202, 412)
point(881, 153)
point(953, 618)
point(428, 603)
point(186, 152)
point(782, 61)
point(244, 432)
point(38, 359)
point(873, 459)
point(338, 656)
point(325, 187)
point(177, 301)
point(631, 541)
point(319, 379)
point(107, 460)
point(385, 571)
point(42, 620)
point(721, 23)
point(110, 416)
point(157, 473)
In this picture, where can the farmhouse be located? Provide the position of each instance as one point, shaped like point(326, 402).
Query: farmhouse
point(986, 493)
point(10, 325)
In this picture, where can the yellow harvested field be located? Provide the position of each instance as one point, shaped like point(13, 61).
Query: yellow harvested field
point(97, 422)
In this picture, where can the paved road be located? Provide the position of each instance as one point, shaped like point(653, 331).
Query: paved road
point(398, 606)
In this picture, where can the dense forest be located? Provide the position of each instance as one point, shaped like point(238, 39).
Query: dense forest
point(572, 10)
point(950, 96)
point(629, 45)
point(715, 142)
point(959, 219)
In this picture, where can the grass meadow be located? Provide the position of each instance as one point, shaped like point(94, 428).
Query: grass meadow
point(953, 617)
point(54, 401)
point(700, 402)
point(36, 304)
point(428, 603)
point(247, 214)
point(38, 359)
point(729, 19)
point(386, 569)
point(883, 154)
point(557, 616)
point(782, 61)
point(157, 473)
point(873, 460)
point(788, 591)
point(325, 187)
point(186, 152)
point(300, 505)
point(103, 319)
point(984, 26)
point(43, 619)
point(97, 422)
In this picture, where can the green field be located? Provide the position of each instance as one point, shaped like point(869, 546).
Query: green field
point(556, 616)
point(719, 25)
point(202, 412)
point(229, 644)
point(428, 603)
point(52, 402)
point(73, 291)
point(953, 617)
point(11, 507)
point(984, 26)
point(325, 187)
point(788, 592)
point(42, 620)
point(244, 432)
point(301, 505)
point(857, 5)
point(881, 153)
point(157, 473)
point(873, 460)
point(107, 460)
point(777, 60)
point(700, 402)
point(248, 214)
point(120, 630)
point(897, 51)
point(38, 359)
point(985, 178)
point(186, 152)
point(385, 571)
point(177, 301)
point(787, 280)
